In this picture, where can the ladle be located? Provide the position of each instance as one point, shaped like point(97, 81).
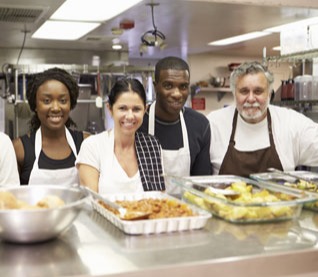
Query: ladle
point(123, 213)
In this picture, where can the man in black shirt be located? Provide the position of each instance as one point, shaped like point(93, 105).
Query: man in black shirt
point(184, 134)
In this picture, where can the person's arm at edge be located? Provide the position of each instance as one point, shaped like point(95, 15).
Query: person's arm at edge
point(88, 176)
point(9, 168)
point(19, 152)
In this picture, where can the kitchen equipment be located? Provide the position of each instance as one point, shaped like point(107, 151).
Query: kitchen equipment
point(283, 90)
point(303, 87)
point(205, 184)
point(258, 202)
point(122, 212)
point(153, 226)
point(30, 226)
point(217, 81)
point(286, 173)
point(314, 87)
point(297, 180)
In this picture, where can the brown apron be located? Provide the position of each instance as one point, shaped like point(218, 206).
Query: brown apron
point(241, 163)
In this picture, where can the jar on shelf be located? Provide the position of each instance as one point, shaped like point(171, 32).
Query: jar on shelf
point(314, 87)
point(290, 89)
point(283, 91)
point(303, 87)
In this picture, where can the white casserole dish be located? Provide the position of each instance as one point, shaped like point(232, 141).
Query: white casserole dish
point(152, 226)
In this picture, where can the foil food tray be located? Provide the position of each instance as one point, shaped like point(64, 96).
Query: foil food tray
point(293, 182)
point(152, 226)
point(236, 210)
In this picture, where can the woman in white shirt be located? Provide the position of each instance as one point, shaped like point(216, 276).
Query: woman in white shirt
point(122, 160)
point(9, 174)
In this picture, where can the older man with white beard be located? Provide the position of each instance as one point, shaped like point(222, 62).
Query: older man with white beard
point(253, 135)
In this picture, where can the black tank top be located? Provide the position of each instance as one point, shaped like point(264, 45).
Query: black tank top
point(44, 161)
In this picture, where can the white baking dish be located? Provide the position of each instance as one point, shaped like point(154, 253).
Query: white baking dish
point(152, 226)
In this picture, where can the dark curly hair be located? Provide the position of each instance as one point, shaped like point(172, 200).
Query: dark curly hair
point(36, 80)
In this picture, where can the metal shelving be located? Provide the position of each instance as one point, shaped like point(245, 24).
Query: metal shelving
point(221, 91)
point(298, 56)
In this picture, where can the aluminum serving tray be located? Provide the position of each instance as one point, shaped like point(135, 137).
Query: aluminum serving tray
point(241, 212)
point(152, 226)
point(283, 180)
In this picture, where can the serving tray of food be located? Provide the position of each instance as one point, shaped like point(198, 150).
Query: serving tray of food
point(251, 202)
point(165, 213)
point(298, 180)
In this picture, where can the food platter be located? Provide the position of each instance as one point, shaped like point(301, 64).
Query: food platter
point(152, 226)
point(309, 184)
point(256, 201)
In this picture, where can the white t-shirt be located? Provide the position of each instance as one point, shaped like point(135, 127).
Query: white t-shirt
point(9, 174)
point(98, 152)
point(295, 136)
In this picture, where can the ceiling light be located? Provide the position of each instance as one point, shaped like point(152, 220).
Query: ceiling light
point(117, 46)
point(153, 37)
point(64, 30)
point(239, 38)
point(92, 10)
point(276, 48)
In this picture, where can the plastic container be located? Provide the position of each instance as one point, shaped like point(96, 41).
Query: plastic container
point(303, 87)
point(264, 203)
point(314, 87)
point(284, 90)
point(290, 89)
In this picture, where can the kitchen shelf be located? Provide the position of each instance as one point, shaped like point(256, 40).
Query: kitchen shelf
point(302, 106)
point(304, 55)
point(221, 91)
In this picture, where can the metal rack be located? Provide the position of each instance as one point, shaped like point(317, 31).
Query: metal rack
point(298, 56)
point(16, 95)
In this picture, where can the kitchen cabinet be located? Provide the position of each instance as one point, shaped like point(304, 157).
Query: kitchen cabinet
point(95, 247)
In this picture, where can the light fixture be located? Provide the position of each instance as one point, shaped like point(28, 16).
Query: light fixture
point(92, 10)
point(117, 46)
point(277, 48)
point(64, 30)
point(153, 37)
point(82, 15)
point(240, 38)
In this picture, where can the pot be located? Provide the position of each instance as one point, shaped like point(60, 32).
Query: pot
point(217, 81)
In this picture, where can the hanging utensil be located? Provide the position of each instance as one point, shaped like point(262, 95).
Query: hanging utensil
point(122, 212)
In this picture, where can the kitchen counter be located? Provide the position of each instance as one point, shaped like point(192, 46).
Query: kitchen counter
point(95, 247)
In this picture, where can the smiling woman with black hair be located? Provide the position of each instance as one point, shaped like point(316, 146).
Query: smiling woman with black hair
point(122, 160)
point(47, 154)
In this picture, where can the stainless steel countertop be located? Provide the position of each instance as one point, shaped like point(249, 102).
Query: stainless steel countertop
point(95, 247)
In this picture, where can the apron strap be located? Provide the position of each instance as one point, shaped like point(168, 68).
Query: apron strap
point(38, 143)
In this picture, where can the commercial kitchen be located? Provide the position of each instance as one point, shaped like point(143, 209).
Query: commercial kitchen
point(125, 45)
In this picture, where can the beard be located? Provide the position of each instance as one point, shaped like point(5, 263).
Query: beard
point(253, 112)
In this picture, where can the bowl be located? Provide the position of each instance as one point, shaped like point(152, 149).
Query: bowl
point(31, 226)
point(257, 202)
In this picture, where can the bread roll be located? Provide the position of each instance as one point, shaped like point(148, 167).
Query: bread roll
point(50, 201)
